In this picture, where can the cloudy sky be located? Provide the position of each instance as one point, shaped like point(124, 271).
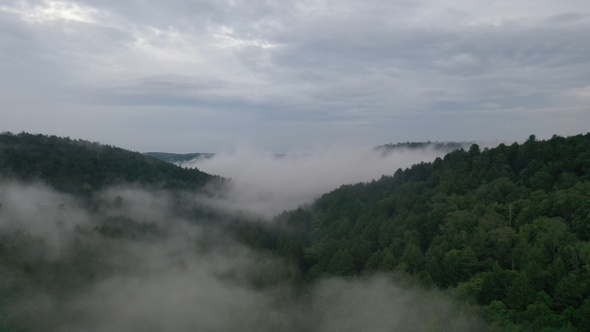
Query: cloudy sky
point(207, 75)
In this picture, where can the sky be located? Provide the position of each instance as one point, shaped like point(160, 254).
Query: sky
point(209, 75)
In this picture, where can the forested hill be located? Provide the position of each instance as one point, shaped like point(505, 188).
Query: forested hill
point(78, 166)
point(506, 229)
point(179, 157)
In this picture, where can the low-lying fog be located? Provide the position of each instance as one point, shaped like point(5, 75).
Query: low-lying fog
point(264, 184)
point(64, 267)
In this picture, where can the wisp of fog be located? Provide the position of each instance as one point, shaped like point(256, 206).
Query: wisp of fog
point(264, 184)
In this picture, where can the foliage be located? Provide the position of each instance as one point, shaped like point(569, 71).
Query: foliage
point(505, 228)
point(81, 167)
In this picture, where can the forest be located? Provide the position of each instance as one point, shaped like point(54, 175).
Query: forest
point(504, 229)
point(81, 167)
point(502, 233)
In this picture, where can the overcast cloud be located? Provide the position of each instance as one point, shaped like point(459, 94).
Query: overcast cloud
point(204, 75)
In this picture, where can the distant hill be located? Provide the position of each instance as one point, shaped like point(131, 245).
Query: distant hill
point(438, 146)
point(78, 166)
point(176, 158)
point(179, 157)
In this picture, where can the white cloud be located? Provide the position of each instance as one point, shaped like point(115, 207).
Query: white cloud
point(227, 39)
point(52, 10)
point(581, 93)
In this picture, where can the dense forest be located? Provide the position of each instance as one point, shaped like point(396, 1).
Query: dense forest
point(77, 217)
point(81, 167)
point(504, 231)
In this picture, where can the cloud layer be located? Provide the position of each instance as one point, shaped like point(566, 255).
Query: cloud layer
point(199, 76)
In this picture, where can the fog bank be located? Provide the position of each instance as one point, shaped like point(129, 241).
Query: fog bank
point(264, 184)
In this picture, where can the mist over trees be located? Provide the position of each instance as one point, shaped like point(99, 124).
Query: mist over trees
point(438, 146)
point(125, 253)
point(505, 229)
point(97, 238)
point(178, 157)
point(265, 184)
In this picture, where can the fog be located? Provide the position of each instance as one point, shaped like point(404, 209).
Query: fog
point(264, 184)
point(40, 211)
point(64, 268)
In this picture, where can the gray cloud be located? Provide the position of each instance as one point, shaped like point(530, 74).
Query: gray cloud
point(374, 67)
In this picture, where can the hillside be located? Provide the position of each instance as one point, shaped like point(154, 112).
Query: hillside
point(505, 229)
point(78, 166)
point(98, 238)
point(178, 157)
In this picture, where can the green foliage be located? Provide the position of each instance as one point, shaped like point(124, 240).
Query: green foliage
point(505, 228)
point(80, 167)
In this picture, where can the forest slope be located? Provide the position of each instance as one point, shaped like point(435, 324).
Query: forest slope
point(505, 229)
point(78, 166)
